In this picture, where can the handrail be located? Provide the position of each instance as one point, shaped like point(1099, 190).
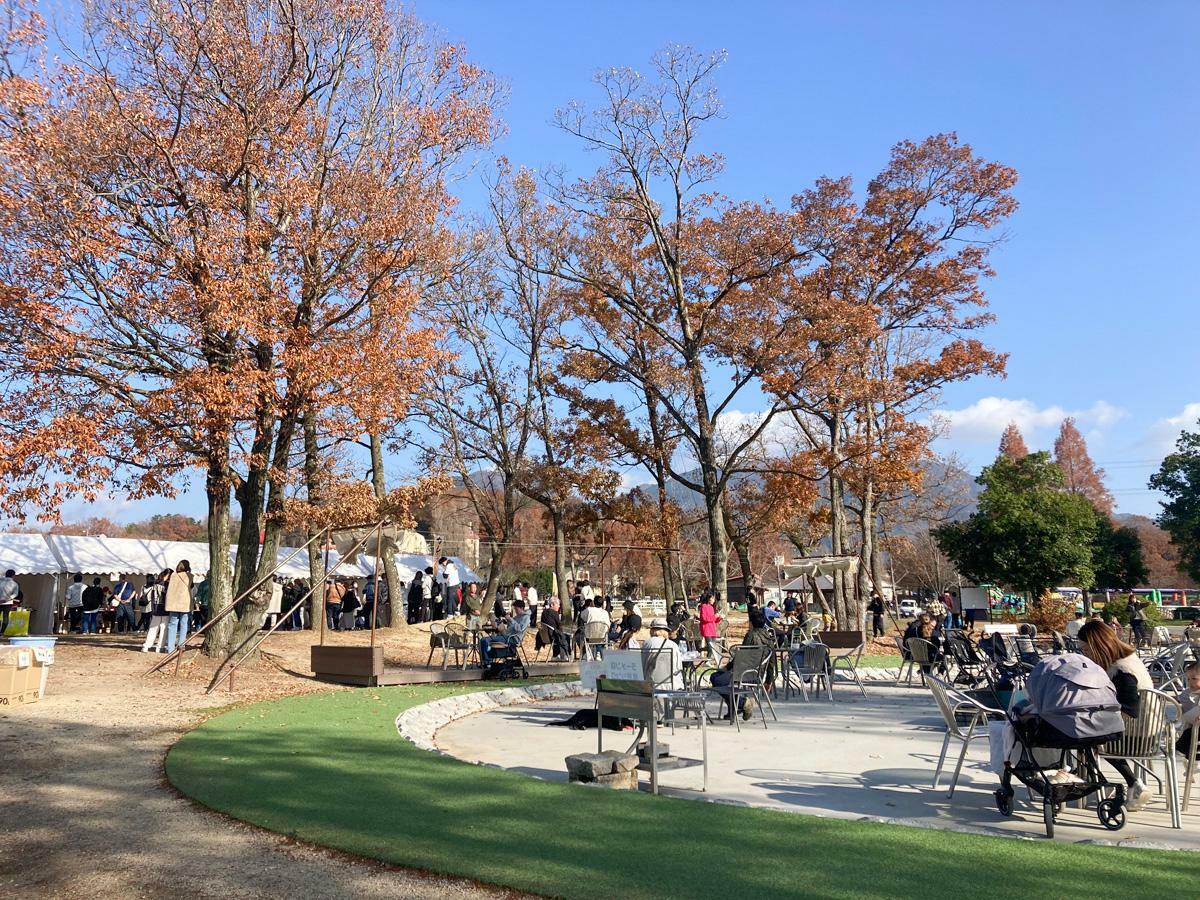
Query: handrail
point(177, 653)
point(222, 673)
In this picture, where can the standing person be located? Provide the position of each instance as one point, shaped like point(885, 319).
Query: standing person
point(350, 605)
point(1137, 620)
point(531, 603)
point(142, 603)
point(93, 599)
point(333, 603)
point(451, 586)
point(416, 597)
point(156, 628)
point(708, 624)
point(123, 592)
point(202, 596)
point(875, 608)
point(9, 591)
point(428, 592)
point(178, 604)
point(75, 605)
point(473, 604)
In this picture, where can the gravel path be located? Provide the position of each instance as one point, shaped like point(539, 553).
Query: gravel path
point(85, 810)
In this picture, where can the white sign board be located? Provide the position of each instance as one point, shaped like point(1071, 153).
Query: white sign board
point(624, 665)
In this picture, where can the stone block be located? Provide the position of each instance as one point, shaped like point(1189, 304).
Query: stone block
point(622, 762)
point(588, 766)
point(620, 781)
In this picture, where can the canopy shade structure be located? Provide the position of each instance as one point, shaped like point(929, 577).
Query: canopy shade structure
point(28, 554)
point(297, 566)
point(125, 556)
point(821, 567)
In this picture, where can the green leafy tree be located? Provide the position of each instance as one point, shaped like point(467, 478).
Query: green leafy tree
point(1179, 479)
point(1117, 556)
point(1027, 533)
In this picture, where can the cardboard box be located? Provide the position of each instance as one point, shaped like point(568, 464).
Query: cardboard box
point(9, 700)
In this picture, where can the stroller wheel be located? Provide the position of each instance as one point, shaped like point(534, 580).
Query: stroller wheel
point(1111, 814)
point(1004, 801)
point(1048, 817)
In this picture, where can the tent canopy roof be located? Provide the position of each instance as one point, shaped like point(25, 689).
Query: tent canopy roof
point(28, 554)
point(125, 556)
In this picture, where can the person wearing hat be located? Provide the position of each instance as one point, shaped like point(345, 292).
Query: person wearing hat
point(659, 643)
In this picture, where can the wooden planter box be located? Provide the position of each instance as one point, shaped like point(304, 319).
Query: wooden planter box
point(348, 665)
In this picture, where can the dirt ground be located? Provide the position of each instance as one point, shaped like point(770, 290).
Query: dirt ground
point(85, 810)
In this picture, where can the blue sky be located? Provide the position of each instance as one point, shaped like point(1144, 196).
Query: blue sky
point(1095, 104)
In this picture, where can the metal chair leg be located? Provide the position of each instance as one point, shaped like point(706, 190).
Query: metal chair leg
point(937, 773)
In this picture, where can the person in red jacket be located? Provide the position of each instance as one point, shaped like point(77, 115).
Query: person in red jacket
point(708, 624)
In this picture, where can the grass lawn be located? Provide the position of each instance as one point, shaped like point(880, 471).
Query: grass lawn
point(331, 769)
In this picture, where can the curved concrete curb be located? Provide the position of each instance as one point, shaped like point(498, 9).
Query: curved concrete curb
point(420, 724)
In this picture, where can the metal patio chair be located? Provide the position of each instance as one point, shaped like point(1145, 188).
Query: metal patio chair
point(1148, 739)
point(965, 719)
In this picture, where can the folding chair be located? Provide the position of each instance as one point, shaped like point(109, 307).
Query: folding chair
point(595, 639)
point(813, 665)
point(1148, 739)
point(849, 665)
point(963, 716)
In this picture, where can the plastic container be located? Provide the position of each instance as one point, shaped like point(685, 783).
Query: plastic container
point(33, 640)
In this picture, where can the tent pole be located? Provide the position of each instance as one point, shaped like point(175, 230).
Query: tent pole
point(324, 584)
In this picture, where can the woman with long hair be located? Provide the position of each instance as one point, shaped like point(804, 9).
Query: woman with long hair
point(1099, 643)
point(178, 604)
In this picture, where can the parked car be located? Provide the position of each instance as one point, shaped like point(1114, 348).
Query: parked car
point(908, 607)
point(1185, 613)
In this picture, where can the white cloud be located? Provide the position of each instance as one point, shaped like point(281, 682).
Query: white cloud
point(1164, 432)
point(985, 419)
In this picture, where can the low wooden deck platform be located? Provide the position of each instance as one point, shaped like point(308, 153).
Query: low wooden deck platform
point(438, 675)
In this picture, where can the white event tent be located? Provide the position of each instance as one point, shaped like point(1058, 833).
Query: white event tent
point(45, 563)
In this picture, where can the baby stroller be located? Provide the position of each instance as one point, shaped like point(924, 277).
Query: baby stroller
point(1072, 710)
point(504, 662)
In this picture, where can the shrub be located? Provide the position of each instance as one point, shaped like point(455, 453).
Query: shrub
point(1047, 615)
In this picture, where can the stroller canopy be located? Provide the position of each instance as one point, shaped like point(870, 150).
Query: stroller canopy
point(1076, 696)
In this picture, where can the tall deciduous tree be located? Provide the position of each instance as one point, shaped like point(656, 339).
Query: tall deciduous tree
point(1117, 555)
point(1080, 475)
point(1179, 478)
point(1027, 532)
point(220, 219)
point(1012, 443)
point(646, 240)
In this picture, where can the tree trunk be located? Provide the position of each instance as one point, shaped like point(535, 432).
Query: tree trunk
point(390, 573)
point(741, 548)
point(316, 556)
point(220, 572)
point(560, 560)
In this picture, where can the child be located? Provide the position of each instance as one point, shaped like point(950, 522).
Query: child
point(1189, 699)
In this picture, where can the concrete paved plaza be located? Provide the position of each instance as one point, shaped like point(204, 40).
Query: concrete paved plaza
point(854, 758)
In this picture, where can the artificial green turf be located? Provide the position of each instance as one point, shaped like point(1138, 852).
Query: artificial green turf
point(331, 769)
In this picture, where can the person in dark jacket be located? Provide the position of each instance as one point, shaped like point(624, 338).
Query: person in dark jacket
point(875, 608)
point(93, 599)
point(552, 618)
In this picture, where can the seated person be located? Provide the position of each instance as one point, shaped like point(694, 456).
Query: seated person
point(678, 615)
point(513, 634)
point(1189, 699)
point(627, 629)
point(552, 617)
point(659, 645)
point(722, 680)
point(593, 612)
point(771, 613)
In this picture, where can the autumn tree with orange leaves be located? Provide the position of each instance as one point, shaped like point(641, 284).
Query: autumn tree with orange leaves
point(1080, 475)
point(218, 223)
point(1012, 443)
